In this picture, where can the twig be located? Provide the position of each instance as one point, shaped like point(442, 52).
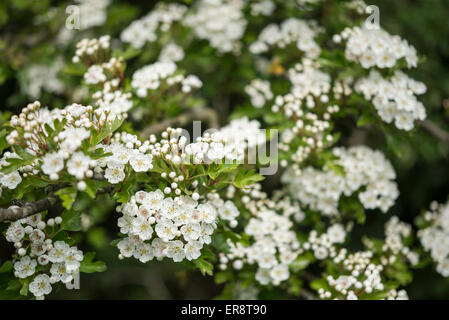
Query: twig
point(306, 294)
point(435, 130)
point(199, 113)
point(25, 209)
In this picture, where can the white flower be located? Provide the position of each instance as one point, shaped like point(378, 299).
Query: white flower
point(94, 75)
point(171, 52)
point(11, 180)
point(58, 252)
point(166, 230)
point(279, 273)
point(40, 286)
point(141, 162)
point(159, 247)
point(144, 252)
point(127, 247)
point(170, 209)
point(142, 228)
point(37, 236)
point(175, 250)
point(15, 232)
point(38, 248)
point(78, 165)
point(115, 173)
point(229, 211)
point(191, 231)
point(60, 272)
point(263, 276)
point(25, 267)
point(52, 163)
point(193, 250)
point(207, 213)
point(125, 224)
point(155, 199)
point(73, 257)
point(336, 233)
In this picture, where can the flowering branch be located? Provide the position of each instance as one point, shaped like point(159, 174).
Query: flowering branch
point(200, 113)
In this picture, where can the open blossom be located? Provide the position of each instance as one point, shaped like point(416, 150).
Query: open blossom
point(94, 75)
point(78, 165)
point(25, 267)
point(52, 163)
point(40, 286)
point(11, 180)
point(141, 162)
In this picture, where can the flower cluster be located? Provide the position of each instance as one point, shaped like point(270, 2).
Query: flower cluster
point(157, 226)
point(259, 92)
point(127, 151)
point(362, 167)
point(147, 28)
point(359, 278)
point(311, 89)
point(397, 234)
point(160, 73)
point(324, 246)
point(91, 51)
point(171, 52)
point(262, 7)
point(92, 12)
point(292, 30)
point(43, 77)
point(434, 236)
point(41, 260)
point(31, 132)
point(374, 47)
point(275, 246)
point(394, 99)
point(221, 22)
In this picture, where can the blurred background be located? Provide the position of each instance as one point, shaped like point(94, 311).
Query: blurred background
point(421, 161)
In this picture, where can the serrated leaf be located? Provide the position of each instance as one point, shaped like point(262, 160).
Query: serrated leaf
point(246, 178)
point(6, 267)
point(68, 196)
point(88, 266)
point(71, 221)
point(204, 266)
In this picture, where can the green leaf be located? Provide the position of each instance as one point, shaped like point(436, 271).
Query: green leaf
point(303, 261)
point(25, 283)
point(107, 131)
point(68, 196)
point(6, 267)
point(71, 221)
point(222, 277)
point(125, 192)
point(204, 266)
point(365, 119)
point(246, 178)
point(87, 266)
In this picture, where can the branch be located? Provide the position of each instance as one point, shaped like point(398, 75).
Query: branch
point(435, 130)
point(14, 213)
point(306, 294)
point(199, 113)
point(25, 209)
